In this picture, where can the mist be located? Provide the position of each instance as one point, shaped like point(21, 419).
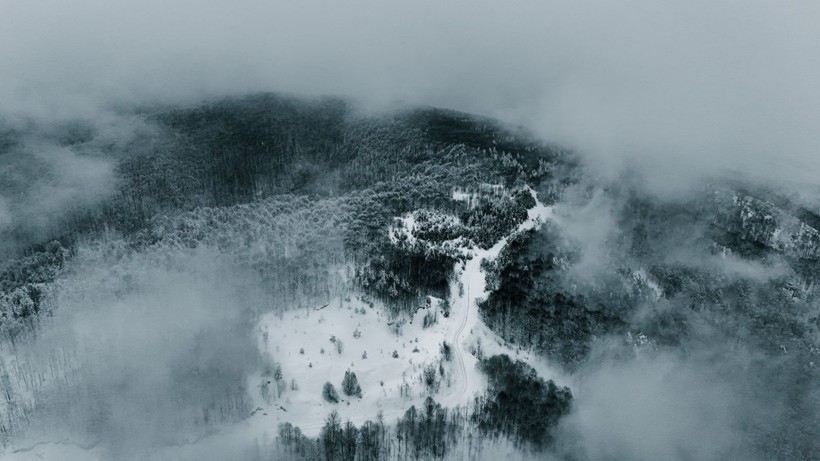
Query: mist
point(145, 350)
point(681, 90)
point(665, 406)
point(54, 169)
point(728, 384)
point(45, 181)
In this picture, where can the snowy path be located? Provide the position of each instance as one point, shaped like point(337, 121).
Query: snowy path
point(468, 321)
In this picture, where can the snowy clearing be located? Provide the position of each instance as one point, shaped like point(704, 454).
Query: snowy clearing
point(300, 343)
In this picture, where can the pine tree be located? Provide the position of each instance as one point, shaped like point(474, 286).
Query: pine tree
point(329, 393)
point(350, 385)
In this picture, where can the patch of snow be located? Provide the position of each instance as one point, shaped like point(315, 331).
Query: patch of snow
point(408, 227)
point(300, 342)
point(405, 231)
point(460, 196)
point(642, 276)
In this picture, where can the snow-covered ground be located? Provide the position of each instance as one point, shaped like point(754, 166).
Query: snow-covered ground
point(300, 342)
point(472, 196)
point(643, 277)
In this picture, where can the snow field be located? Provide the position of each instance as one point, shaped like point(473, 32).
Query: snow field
point(300, 343)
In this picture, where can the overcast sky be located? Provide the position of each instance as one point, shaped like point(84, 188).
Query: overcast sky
point(685, 87)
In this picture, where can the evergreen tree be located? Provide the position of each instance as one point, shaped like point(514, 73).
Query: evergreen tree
point(350, 385)
point(329, 393)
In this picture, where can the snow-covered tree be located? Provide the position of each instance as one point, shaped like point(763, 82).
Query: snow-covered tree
point(350, 384)
point(329, 393)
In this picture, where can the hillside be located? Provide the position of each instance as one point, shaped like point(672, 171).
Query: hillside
point(484, 289)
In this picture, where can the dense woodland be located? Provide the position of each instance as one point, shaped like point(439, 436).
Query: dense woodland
point(422, 433)
point(329, 182)
point(707, 276)
point(564, 310)
point(519, 404)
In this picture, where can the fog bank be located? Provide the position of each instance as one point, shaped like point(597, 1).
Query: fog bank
point(144, 350)
point(683, 89)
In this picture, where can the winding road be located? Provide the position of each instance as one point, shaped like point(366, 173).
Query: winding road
point(468, 307)
point(457, 343)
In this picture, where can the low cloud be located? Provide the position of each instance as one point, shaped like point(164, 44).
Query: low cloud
point(146, 350)
point(663, 406)
point(54, 168)
point(43, 182)
point(680, 89)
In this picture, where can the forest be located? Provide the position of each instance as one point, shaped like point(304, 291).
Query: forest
point(222, 211)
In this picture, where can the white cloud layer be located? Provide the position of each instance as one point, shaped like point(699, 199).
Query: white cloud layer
point(684, 88)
